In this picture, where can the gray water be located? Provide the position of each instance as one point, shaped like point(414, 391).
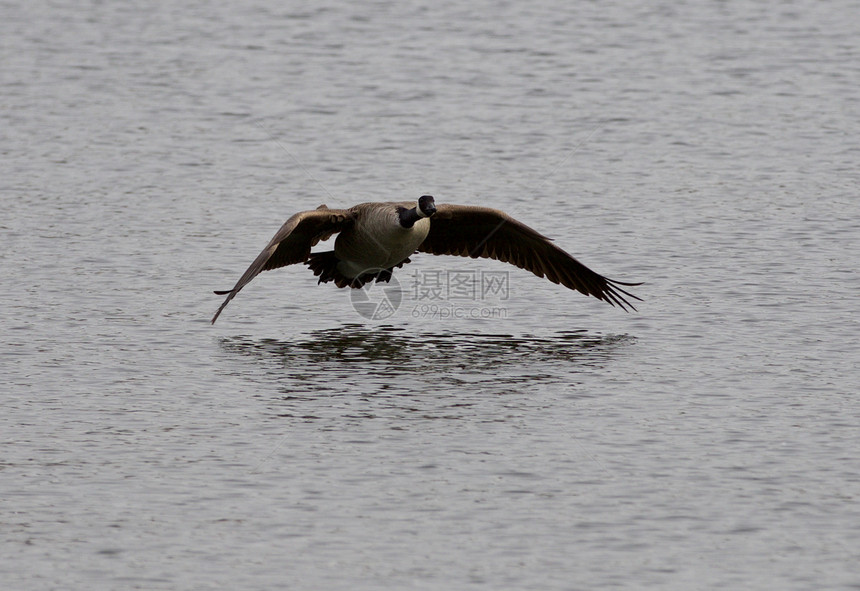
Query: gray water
point(531, 439)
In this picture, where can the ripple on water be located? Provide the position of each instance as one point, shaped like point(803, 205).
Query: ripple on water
point(354, 360)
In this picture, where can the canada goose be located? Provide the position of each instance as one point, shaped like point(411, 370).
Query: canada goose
point(374, 238)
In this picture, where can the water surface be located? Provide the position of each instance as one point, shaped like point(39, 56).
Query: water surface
point(707, 441)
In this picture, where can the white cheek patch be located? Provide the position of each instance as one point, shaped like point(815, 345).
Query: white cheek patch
point(420, 213)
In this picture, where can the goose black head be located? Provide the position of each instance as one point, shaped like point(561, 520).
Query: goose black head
point(426, 206)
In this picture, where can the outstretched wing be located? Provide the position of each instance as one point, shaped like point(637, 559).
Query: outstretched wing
point(468, 231)
point(292, 244)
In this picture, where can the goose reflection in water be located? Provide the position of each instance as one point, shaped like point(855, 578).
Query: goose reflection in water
point(355, 359)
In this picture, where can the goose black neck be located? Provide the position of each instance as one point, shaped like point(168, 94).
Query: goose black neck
point(408, 217)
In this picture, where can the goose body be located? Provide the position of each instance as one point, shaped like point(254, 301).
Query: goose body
point(375, 238)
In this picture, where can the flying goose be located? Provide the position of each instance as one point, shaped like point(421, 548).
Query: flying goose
point(374, 238)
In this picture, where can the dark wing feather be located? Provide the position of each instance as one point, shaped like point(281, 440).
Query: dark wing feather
point(292, 244)
point(489, 233)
